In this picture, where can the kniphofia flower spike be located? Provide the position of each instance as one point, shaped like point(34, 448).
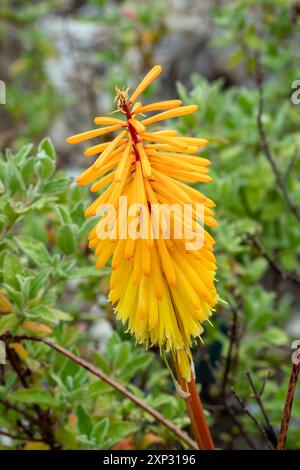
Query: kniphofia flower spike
point(159, 288)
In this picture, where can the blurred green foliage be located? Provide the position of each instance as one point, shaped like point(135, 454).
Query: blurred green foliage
point(49, 285)
point(48, 278)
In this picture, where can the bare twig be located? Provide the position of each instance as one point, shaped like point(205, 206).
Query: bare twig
point(286, 416)
point(283, 273)
point(268, 153)
point(181, 435)
point(264, 382)
point(269, 427)
point(246, 410)
point(228, 363)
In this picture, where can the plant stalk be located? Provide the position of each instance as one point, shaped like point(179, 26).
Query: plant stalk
point(286, 416)
point(196, 412)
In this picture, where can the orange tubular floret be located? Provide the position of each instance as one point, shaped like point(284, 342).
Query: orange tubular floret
point(159, 105)
point(76, 139)
point(170, 114)
point(154, 72)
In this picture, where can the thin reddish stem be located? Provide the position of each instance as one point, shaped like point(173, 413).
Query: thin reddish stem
point(132, 131)
point(286, 416)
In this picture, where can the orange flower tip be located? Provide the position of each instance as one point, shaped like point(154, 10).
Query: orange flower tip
point(193, 108)
point(147, 80)
point(87, 152)
point(79, 181)
point(136, 108)
point(89, 212)
point(71, 140)
point(172, 282)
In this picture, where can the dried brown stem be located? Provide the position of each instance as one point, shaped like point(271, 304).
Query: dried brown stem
point(286, 416)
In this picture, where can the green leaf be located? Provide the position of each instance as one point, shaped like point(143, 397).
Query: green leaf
point(77, 214)
point(120, 355)
point(11, 267)
point(45, 167)
point(13, 177)
point(49, 314)
point(85, 423)
point(99, 388)
point(34, 249)
point(101, 362)
point(276, 336)
point(27, 170)
point(66, 438)
point(87, 271)
point(66, 239)
point(118, 430)
point(32, 395)
point(256, 269)
point(47, 146)
point(99, 431)
point(8, 323)
point(136, 364)
point(23, 153)
point(38, 284)
point(63, 214)
point(56, 186)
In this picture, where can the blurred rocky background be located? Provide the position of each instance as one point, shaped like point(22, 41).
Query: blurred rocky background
point(61, 59)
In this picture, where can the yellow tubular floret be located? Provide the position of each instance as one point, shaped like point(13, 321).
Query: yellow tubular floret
point(123, 166)
point(110, 148)
point(144, 160)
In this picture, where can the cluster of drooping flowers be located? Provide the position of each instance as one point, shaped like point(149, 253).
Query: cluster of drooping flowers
point(160, 288)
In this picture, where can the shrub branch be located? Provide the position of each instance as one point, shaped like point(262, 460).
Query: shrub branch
point(181, 435)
